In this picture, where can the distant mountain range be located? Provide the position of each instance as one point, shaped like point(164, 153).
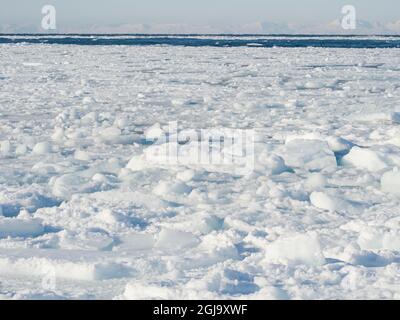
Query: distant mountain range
point(332, 27)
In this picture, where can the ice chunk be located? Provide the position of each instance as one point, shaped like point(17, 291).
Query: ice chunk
point(42, 148)
point(82, 155)
point(67, 185)
point(365, 159)
point(166, 188)
point(136, 242)
point(22, 228)
point(58, 134)
point(224, 281)
point(372, 116)
point(140, 291)
point(40, 267)
point(21, 150)
point(110, 270)
point(315, 181)
point(154, 132)
point(323, 201)
point(121, 122)
point(203, 223)
point(5, 148)
point(270, 163)
point(313, 155)
point(304, 136)
point(333, 203)
point(218, 247)
point(390, 182)
point(299, 249)
point(87, 100)
point(186, 175)
point(173, 239)
point(89, 240)
point(376, 238)
point(110, 133)
point(107, 216)
point(32, 64)
point(337, 144)
point(313, 85)
point(90, 118)
point(355, 256)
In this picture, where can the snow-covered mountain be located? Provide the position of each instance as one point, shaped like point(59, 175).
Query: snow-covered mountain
point(261, 27)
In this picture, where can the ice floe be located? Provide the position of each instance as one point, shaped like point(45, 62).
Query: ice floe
point(99, 198)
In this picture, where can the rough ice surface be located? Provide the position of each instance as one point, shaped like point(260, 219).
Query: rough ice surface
point(88, 210)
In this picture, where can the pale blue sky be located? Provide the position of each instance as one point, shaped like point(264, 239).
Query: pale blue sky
point(216, 12)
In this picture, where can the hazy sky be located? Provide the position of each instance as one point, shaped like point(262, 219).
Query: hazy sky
point(215, 12)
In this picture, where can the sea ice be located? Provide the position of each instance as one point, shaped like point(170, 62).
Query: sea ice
point(93, 195)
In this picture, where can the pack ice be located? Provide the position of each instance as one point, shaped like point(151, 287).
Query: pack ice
point(88, 209)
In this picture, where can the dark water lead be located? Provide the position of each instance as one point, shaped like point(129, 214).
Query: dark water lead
point(212, 41)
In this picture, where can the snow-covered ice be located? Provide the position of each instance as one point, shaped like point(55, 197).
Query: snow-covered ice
point(90, 208)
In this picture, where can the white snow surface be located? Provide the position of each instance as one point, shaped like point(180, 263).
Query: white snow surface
point(88, 212)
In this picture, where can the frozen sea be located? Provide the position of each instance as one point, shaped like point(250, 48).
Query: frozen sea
point(90, 209)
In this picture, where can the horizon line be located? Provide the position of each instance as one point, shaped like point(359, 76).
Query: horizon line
point(85, 34)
